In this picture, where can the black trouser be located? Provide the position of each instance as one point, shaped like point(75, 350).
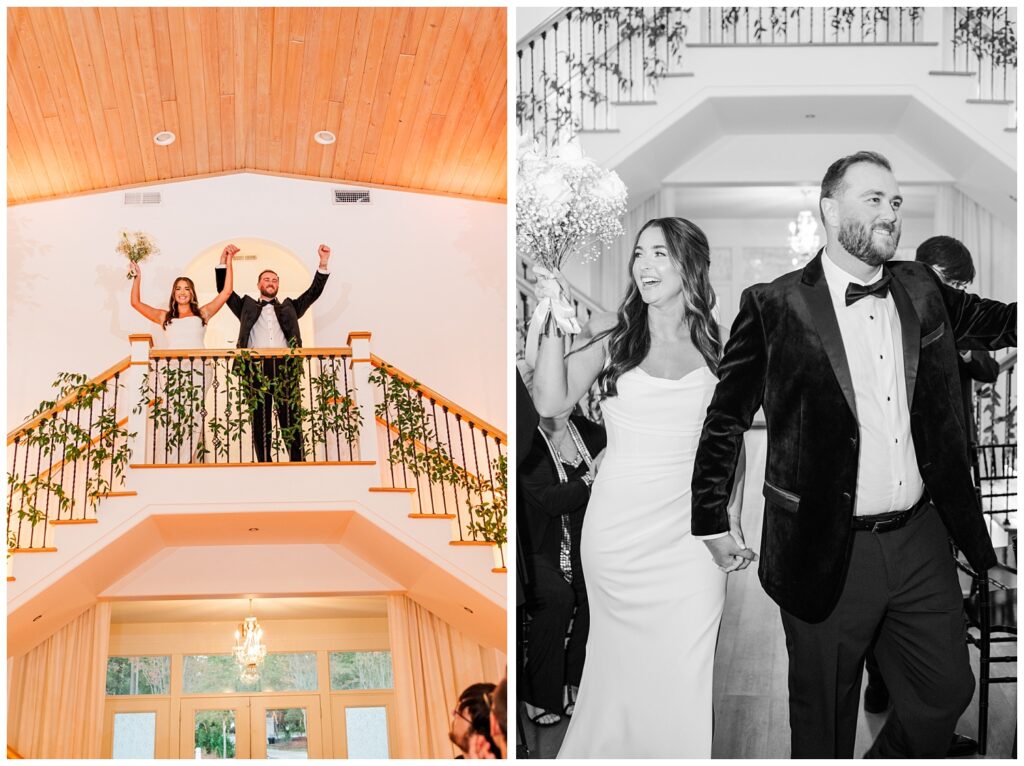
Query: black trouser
point(901, 586)
point(550, 665)
point(284, 376)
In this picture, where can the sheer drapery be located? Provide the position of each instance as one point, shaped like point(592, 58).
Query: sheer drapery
point(55, 692)
point(992, 243)
point(433, 662)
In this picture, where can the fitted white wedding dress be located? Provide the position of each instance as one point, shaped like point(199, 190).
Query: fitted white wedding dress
point(656, 596)
point(186, 334)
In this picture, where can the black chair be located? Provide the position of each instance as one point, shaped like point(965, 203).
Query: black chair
point(991, 612)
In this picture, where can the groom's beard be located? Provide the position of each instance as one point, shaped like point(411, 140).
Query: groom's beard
point(858, 240)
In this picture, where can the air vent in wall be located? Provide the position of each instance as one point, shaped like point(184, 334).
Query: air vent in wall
point(348, 197)
point(142, 198)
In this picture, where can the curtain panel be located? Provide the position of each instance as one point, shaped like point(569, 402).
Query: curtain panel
point(432, 662)
point(56, 691)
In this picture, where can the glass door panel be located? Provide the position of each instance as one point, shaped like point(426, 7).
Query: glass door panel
point(136, 728)
point(286, 727)
point(215, 728)
point(363, 725)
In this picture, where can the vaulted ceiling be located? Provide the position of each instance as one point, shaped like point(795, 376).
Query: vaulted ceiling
point(415, 96)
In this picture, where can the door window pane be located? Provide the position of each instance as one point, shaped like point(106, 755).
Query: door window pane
point(361, 670)
point(367, 732)
point(286, 733)
point(134, 735)
point(219, 674)
point(215, 734)
point(138, 675)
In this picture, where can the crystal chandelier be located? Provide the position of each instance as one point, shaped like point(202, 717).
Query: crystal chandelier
point(803, 236)
point(249, 649)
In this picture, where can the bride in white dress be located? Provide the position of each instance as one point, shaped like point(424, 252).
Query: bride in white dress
point(655, 597)
point(184, 324)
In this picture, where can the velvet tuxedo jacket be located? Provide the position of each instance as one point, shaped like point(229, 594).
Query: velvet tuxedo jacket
point(785, 353)
point(288, 311)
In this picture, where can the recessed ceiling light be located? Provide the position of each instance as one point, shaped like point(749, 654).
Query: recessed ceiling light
point(324, 137)
point(810, 116)
point(164, 138)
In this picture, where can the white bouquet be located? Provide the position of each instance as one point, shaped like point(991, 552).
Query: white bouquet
point(136, 247)
point(566, 204)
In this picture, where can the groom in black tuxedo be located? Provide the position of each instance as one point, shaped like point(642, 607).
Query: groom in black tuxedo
point(854, 359)
point(270, 323)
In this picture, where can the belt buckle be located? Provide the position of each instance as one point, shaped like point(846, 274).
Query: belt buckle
point(881, 526)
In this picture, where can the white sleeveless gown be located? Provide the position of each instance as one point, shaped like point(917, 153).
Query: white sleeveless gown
point(185, 333)
point(656, 596)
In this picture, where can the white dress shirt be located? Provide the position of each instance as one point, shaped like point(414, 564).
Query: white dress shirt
point(888, 478)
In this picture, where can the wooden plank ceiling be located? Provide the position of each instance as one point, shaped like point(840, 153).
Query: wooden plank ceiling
point(415, 96)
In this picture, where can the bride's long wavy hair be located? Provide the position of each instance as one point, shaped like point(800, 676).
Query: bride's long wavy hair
point(172, 309)
point(630, 338)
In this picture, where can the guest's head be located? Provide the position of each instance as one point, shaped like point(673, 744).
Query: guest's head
point(949, 258)
point(268, 283)
point(668, 272)
point(472, 714)
point(183, 294)
point(860, 207)
point(499, 717)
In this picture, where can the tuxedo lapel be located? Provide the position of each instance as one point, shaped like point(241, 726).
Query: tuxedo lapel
point(814, 290)
point(910, 329)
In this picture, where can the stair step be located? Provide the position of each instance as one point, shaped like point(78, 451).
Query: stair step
point(31, 550)
point(410, 490)
point(993, 101)
point(431, 515)
point(633, 103)
point(470, 542)
point(62, 522)
point(128, 493)
point(947, 73)
point(597, 131)
point(678, 74)
point(10, 579)
point(500, 570)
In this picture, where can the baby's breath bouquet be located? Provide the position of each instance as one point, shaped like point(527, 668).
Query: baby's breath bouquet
point(136, 247)
point(566, 205)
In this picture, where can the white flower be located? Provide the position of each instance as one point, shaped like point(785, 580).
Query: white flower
point(610, 189)
point(553, 191)
point(570, 154)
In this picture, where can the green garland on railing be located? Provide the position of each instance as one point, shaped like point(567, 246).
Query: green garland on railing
point(401, 408)
point(978, 30)
point(179, 407)
point(104, 444)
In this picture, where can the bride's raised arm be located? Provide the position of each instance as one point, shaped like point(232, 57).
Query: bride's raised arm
point(151, 313)
point(560, 380)
point(214, 306)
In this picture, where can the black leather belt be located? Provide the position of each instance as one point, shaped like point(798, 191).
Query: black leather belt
point(887, 522)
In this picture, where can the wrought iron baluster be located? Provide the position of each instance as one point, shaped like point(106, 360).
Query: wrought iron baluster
point(476, 465)
point(88, 455)
point(544, 79)
point(412, 448)
point(35, 492)
point(49, 473)
point(519, 89)
point(351, 399)
point(455, 484)
point(465, 469)
point(155, 372)
point(387, 423)
point(10, 500)
point(568, 66)
point(607, 90)
point(437, 445)
point(113, 440)
point(558, 103)
point(21, 507)
point(533, 86)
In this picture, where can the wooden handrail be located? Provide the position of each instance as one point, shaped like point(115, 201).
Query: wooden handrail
point(1008, 361)
point(444, 401)
point(68, 400)
point(211, 353)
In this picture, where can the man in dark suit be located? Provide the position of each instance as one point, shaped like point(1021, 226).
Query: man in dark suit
point(854, 360)
point(270, 323)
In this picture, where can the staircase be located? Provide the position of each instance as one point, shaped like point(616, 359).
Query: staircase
point(648, 89)
point(153, 492)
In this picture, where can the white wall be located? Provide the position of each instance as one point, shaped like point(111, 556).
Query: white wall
point(425, 273)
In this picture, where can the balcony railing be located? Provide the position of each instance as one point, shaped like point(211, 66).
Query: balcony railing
point(251, 406)
point(454, 462)
point(572, 71)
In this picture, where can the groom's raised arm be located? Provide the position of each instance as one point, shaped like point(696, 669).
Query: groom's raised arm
point(737, 398)
point(234, 301)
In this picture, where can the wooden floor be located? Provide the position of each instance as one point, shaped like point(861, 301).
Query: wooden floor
point(750, 696)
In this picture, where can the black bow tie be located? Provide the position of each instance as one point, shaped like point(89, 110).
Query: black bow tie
point(271, 302)
point(879, 289)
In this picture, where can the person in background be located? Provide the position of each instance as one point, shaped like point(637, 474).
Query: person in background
point(472, 715)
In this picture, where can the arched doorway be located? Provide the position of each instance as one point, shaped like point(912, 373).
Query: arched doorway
point(254, 256)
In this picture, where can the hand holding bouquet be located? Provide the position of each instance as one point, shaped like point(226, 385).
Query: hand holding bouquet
point(136, 247)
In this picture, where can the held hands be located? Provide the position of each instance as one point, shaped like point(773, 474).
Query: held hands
point(325, 255)
point(730, 555)
point(227, 254)
point(479, 747)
